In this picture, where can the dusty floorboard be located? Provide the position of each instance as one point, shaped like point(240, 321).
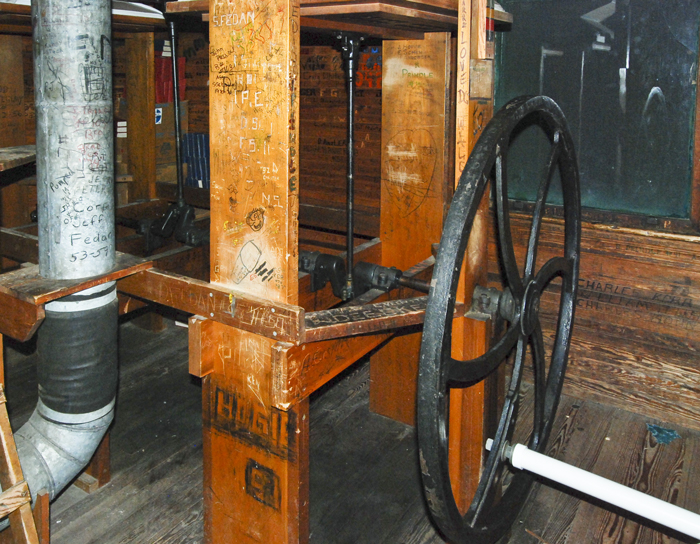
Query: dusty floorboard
point(365, 484)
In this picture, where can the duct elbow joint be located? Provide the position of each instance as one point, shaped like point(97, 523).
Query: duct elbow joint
point(77, 374)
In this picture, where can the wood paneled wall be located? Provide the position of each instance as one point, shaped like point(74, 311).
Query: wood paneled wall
point(323, 139)
point(637, 328)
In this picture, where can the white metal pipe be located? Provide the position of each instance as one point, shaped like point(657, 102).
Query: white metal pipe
point(613, 493)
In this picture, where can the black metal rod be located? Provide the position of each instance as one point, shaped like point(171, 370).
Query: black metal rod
point(415, 284)
point(176, 111)
point(351, 48)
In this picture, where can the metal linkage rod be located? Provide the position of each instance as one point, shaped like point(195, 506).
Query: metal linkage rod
point(613, 493)
point(351, 50)
point(176, 111)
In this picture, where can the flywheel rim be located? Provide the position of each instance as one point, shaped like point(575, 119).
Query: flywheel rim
point(438, 372)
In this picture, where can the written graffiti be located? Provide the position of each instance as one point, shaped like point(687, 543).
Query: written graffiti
point(263, 484)
point(409, 166)
point(233, 19)
point(265, 318)
point(246, 419)
point(396, 308)
point(253, 72)
point(611, 293)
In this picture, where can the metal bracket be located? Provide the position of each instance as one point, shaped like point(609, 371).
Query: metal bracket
point(324, 268)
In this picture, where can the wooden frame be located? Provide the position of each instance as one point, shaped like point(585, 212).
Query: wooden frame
point(259, 353)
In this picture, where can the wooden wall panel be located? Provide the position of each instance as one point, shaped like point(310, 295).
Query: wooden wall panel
point(323, 137)
point(14, 200)
point(11, 92)
point(637, 327)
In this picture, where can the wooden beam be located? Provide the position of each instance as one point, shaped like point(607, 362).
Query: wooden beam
point(298, 371)
point(20, 319)
point(19, 246)
point(23, 292)
point(255, 455)
point(11, 157)
point(140, 84)
point(231, 307)
point(335, 26)
point(201, 343)
point(469, 418)
point(357, 320)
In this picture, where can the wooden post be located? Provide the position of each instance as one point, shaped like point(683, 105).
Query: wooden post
point(469, 420)
point(141, 96)
point(2, 360)
point(255, 455)
point(416, 188)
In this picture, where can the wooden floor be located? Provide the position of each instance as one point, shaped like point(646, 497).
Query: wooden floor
point(364, 477)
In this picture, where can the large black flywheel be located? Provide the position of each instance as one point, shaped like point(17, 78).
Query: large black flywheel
point(501, 491)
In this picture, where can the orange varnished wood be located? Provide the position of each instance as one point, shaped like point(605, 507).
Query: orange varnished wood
point(19, 319)
point(470, 338)
point(23, 292)
point(468, 418)
point(389, 19)
point(201, 345)
point(416, 188)
point(255, 455)
point(388, 13)
point(467, 427)
point(140, 80)
point(254, 112)
point(298, 371)
point(28, 285)
point(370, 28)
point(22, 528)
point(41, 517)
point(233, 307)
point(99, 466)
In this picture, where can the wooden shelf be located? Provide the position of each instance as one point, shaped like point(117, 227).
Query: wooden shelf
point(27, 285)
point(11, 157)
point(187, 6)
point(499, 16)
point(384, 18)
point(23, 293)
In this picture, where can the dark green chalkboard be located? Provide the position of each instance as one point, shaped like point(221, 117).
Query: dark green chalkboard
point(624, 73)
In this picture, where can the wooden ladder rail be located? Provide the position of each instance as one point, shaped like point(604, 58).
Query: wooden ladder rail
point(15, 500)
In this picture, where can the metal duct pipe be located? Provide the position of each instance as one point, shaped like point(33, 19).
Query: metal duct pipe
point(77, 343)
point(77, 374)
point(74, 137)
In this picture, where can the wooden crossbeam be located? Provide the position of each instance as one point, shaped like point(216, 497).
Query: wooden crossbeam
point(14, 497)
point(275, 320)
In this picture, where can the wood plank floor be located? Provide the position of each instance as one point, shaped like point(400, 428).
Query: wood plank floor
point(364, 478)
